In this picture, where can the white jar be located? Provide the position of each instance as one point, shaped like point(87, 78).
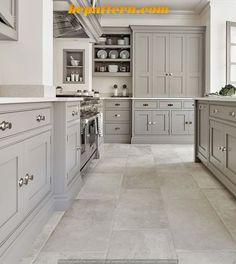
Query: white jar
point(72, 77)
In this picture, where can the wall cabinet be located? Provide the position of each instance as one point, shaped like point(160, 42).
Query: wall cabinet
point(8, 20)
point(167, 62)
point(216, 132)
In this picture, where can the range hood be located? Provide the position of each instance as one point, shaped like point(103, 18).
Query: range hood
point(67, 25)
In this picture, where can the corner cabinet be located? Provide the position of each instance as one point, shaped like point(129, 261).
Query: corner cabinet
point(8, 19)
point(216, 139)
point(167, 61)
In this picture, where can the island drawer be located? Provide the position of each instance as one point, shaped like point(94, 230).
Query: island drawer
point(223, 112)
point(188, 104)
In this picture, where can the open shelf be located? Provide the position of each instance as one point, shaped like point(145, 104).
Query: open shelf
point(112, 74)
point(112, 46)
point(112, 60)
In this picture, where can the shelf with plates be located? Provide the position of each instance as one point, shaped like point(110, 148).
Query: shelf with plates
point(113, 55)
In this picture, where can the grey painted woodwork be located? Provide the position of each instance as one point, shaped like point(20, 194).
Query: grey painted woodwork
point(168, 62)
point(216, 133)
point(162, 121)
point(8, 18)
point(117, 121)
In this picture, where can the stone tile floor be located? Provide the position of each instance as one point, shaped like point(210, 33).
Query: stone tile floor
point(147, 201)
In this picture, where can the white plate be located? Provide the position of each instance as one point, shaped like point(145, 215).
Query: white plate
point(124, 53)
point(115, 53)
point(101, 53)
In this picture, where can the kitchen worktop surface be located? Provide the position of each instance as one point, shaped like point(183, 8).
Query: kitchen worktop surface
point(144, 98)
point(19, 100)
point(217, 98)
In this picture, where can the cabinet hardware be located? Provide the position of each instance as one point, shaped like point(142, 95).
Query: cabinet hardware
point(117, 128)
point(31, 177)
point(150, 123)
point(223, 149)
point(117, 104)
point(171, 74)
point(40, 118)
point(170, 105)
point(77, 148)
point(5, 125)
point(154, 123)
point(190, 123)
point(117, 115)
point(74, 113)
point(215, 111)
point(220, 148)
point(167, 74)
point(21, 182)
point(232, 113)
point(145, 104)
point(186, 123)
point(26, 179)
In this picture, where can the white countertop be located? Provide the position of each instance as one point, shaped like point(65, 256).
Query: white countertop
point(20, 100)
point(217, 98)
point(140, 98)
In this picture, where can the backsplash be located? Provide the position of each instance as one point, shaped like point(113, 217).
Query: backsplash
point(105, 84)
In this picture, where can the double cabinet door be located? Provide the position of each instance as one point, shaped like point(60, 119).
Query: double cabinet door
point(151, 122)
point(73, 152)
point(25, 172)
point(167, 64)
point(223, 148)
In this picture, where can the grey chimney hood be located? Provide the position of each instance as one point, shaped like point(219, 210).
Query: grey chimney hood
point(67, 25)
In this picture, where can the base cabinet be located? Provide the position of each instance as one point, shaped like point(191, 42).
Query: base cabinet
point(182, 122)
point(219, 139)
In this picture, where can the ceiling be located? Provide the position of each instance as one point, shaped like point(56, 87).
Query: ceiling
point(175, 6)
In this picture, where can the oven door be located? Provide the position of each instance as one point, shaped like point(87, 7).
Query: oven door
point(92, 135)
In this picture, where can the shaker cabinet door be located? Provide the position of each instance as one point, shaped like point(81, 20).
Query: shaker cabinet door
point(203, 129)
point(11, 193)
point(230, 152)
point(143, 65)
point(73, 152)
point(160, 122)
point(7, 12)
point(142, 122)
point(216, 144)
point(161, 65)
point(191, 118)
point(177, 65)
point(38, 168)
point(179, 122)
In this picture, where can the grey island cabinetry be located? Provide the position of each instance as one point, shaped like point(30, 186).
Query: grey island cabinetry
point(215, 143)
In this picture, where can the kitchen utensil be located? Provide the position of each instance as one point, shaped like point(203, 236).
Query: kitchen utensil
point(72, 76)
point(102, 54)
point(113, 68)
point(120, 42)
point(102, 69)
point(124, 54)
point(113, 54)
point(76, 76)
point(126, 39)
point(123, 69)
point(68, 79)
point(109, 41)
point(74, 62)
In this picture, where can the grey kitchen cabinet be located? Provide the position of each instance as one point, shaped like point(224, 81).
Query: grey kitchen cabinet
point(142, 121)
point(168, 62)
point(8, 19)
point(117, 120)
point(143, 65)
point(216, 135)
point(73, 152)
point(182, 122)
point(202, 134)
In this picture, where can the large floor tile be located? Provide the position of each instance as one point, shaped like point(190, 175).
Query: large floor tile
point(141, 178)
point(207, 257)
point(111, 165)
point(196, 226)
point(116, 150)
point(140, 150)
point(145, 161)
point(143, 244)
point(101, 186)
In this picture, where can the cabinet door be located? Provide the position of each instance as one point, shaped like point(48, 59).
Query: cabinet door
point(216, 144)
point(230, 152)
point(177, 65)
point(160, 122)
point(160, 65)
point(7, 12)
point(179, 122)
point(142, 125)
point(194, 65)
point(73, 152)
point(203, 129)
point(143, 65)
point(11, 194)
point(38, 166)
point(191, 118)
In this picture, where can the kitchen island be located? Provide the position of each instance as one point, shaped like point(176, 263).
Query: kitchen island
point(215, 137)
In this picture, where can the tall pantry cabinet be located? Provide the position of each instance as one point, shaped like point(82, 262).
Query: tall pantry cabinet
point(168, 61)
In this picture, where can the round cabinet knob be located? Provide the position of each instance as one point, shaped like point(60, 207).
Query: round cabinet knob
point(117, 115)
point(73, 113)
point(26, 179)
point(215, 111)
point(171, 74)
point(21, 182)
point(220, 148)
point(31, 177)
point(186, 123)
point(190, 123)
point(150, 123)
point(232, 113)
point(223, 149)
point(154, 123)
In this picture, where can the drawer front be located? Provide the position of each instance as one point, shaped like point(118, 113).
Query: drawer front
point(13, 123)
point(73, 112)
point(223, 112)
point(117, 129)
point(117, 115)
point(188, 104)
point(145, 104)
point(170, 104)
point(117, 104)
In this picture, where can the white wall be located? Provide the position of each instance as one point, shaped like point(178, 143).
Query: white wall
point(59, 45)
point(28, 61)
point(221, 11)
